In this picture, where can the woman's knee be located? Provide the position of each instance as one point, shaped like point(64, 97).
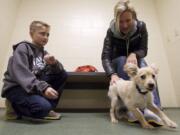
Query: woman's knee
point(121, 59)
point(120, 62)
point(142, 63)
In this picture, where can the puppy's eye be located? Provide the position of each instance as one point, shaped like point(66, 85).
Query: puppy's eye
point(143, 77)
point(153, 76)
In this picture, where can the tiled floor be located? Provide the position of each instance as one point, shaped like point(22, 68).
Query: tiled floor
point(83, 124)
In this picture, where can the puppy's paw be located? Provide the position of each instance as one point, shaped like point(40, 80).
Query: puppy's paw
point(115, 121)
point(147, 126)
point(171, 124)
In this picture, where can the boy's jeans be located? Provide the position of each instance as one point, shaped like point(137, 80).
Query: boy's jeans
point(35, 105)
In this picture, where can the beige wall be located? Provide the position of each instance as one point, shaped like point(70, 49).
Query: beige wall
point(8, 11)
point(146, 11)
point(79, 28)
point(169, 19)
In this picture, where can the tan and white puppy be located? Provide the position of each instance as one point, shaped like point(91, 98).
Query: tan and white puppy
point(136, 95)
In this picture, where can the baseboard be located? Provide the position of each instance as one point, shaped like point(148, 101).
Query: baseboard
point(2, 103)
point(80, 110)
point(92, 110)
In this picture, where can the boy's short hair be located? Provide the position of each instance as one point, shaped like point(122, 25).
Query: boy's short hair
point(37, 25)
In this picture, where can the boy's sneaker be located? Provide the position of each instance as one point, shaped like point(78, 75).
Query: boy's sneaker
point(10, 114)
point(53, 116)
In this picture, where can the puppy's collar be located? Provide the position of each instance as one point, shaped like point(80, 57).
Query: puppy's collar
point(139, 90)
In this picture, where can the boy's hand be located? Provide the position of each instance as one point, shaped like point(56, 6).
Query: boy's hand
point(50, 93)
point(50, 59)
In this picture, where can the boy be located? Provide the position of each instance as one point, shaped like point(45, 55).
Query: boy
point(34, 79)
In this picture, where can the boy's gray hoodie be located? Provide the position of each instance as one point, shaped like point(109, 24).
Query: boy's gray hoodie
point(25, 67)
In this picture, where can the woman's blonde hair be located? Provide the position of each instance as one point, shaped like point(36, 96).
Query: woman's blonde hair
point(120, 7)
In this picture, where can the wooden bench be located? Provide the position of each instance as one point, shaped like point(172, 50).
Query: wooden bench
point(85, 91)
point(87, 80)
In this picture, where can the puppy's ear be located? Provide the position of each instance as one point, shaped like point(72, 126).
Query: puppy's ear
point(154, 67)
point(131, 69)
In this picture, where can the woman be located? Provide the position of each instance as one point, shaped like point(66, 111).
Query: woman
point(126, 42)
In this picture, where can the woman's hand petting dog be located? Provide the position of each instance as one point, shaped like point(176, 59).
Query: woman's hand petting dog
point(114, 79)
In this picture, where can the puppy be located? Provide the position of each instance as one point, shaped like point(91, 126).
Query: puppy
point(136, 95)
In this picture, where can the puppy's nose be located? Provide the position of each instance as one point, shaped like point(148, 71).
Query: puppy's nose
point(151, 85)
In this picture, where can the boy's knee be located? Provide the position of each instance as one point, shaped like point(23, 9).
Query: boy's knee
point(40, 110)
point(64, 74)
point(62, 77)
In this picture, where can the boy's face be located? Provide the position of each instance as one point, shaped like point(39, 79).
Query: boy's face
point(40, 36)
